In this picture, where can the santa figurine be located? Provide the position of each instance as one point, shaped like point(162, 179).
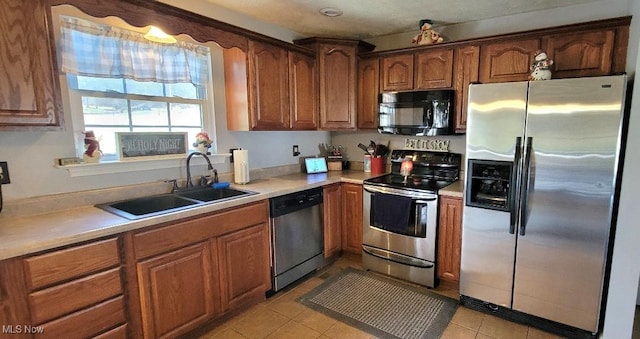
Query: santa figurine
point(92, 151)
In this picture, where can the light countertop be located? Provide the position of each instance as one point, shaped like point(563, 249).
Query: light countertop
point(29, 234)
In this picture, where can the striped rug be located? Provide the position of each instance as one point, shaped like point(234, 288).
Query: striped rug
point(380, 306)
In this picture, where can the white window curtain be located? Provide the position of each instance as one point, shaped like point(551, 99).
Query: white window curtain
point(91, 49)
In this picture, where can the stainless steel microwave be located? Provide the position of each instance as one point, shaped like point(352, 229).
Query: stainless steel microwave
point(420, 113)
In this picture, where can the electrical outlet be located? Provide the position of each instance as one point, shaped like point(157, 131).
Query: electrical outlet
point(4, 172)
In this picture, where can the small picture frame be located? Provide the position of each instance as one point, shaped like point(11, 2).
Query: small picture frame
point(140, 145)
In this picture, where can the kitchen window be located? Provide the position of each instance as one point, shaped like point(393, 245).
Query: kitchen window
point(118, 81)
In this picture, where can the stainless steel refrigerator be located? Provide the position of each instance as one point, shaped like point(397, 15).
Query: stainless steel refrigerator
point(542, 165)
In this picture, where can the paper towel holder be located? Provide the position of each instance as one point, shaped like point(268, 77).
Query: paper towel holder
point(231, 151)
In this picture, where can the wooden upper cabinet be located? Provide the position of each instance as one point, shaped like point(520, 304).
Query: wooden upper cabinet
point(397, 73)
point(368, 91)
point(508, 60)
point(434, 68)
point(269, 90)
point(337, 86)
point(303, 92)
point(337, 80)
point(580, 54)
point(29, 90)
point(467, 61)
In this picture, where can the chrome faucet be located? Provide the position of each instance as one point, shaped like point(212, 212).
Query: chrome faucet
point(209, 167)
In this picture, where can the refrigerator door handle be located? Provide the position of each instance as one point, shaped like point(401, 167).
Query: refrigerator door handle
point(524, 193)
point(513, 195)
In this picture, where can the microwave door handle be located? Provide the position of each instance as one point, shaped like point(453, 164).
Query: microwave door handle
point(524, 194)
point(513, 184)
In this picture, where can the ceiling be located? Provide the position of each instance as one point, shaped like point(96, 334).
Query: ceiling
point(374, 18)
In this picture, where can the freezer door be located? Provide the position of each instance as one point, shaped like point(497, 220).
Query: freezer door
point(495, 121)
point(495, 118)
point(574, 126)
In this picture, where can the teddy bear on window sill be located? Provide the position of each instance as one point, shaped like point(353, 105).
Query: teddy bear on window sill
point(427, 36)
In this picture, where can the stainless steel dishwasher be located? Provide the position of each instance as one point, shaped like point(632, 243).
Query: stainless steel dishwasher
point(296, 236)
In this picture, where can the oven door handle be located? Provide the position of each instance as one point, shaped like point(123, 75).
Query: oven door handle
point(400, 192)
point(396, 257)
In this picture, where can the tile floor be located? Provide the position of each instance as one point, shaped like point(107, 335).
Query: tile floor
point(282, 317)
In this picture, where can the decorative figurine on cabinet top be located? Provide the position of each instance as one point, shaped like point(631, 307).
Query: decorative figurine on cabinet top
point(92, 153)
point(540, 67)
point(427, 36)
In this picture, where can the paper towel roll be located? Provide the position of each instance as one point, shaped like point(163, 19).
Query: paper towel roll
point(241, 166)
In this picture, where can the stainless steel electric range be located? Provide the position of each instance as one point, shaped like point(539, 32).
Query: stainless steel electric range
point(401, 213)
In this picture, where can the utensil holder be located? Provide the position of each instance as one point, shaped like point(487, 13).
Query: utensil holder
point(377, 165)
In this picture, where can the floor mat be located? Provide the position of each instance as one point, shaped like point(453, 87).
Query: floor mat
point(380, 306)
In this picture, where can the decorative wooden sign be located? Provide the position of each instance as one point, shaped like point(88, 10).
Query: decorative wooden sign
point(150, 144)
point(427, 144)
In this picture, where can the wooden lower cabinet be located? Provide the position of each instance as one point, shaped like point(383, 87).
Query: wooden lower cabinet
point(176, 291)
point(244, 266)
point(449, 238)
point(72, 292)
point(332, 219)
point(352, 218)
point(189, 272)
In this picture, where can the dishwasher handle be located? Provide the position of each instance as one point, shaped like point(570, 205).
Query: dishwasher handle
point(293, 202)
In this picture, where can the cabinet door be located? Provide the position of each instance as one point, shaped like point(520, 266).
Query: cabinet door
point(352, 218)
point(580, 54)
point(466, 72)
point(244, 265)
point(176, 291)
point(449, 238)
point(507, 60)
point(269, 90)
point(332, 219)
point(434, 68)
point(303, 92)
point(337, 86)
point(368, 91)
point(397, 73)
point(29, 90)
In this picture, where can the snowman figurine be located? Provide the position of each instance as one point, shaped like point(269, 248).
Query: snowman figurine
point(540, 67)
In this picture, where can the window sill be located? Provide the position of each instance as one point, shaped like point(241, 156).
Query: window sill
point(112, 167)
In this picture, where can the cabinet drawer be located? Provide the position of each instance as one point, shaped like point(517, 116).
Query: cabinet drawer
point(59, 300)
point(192, 231)
point(89, 322)
point(50, 268)
point(116, 333)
